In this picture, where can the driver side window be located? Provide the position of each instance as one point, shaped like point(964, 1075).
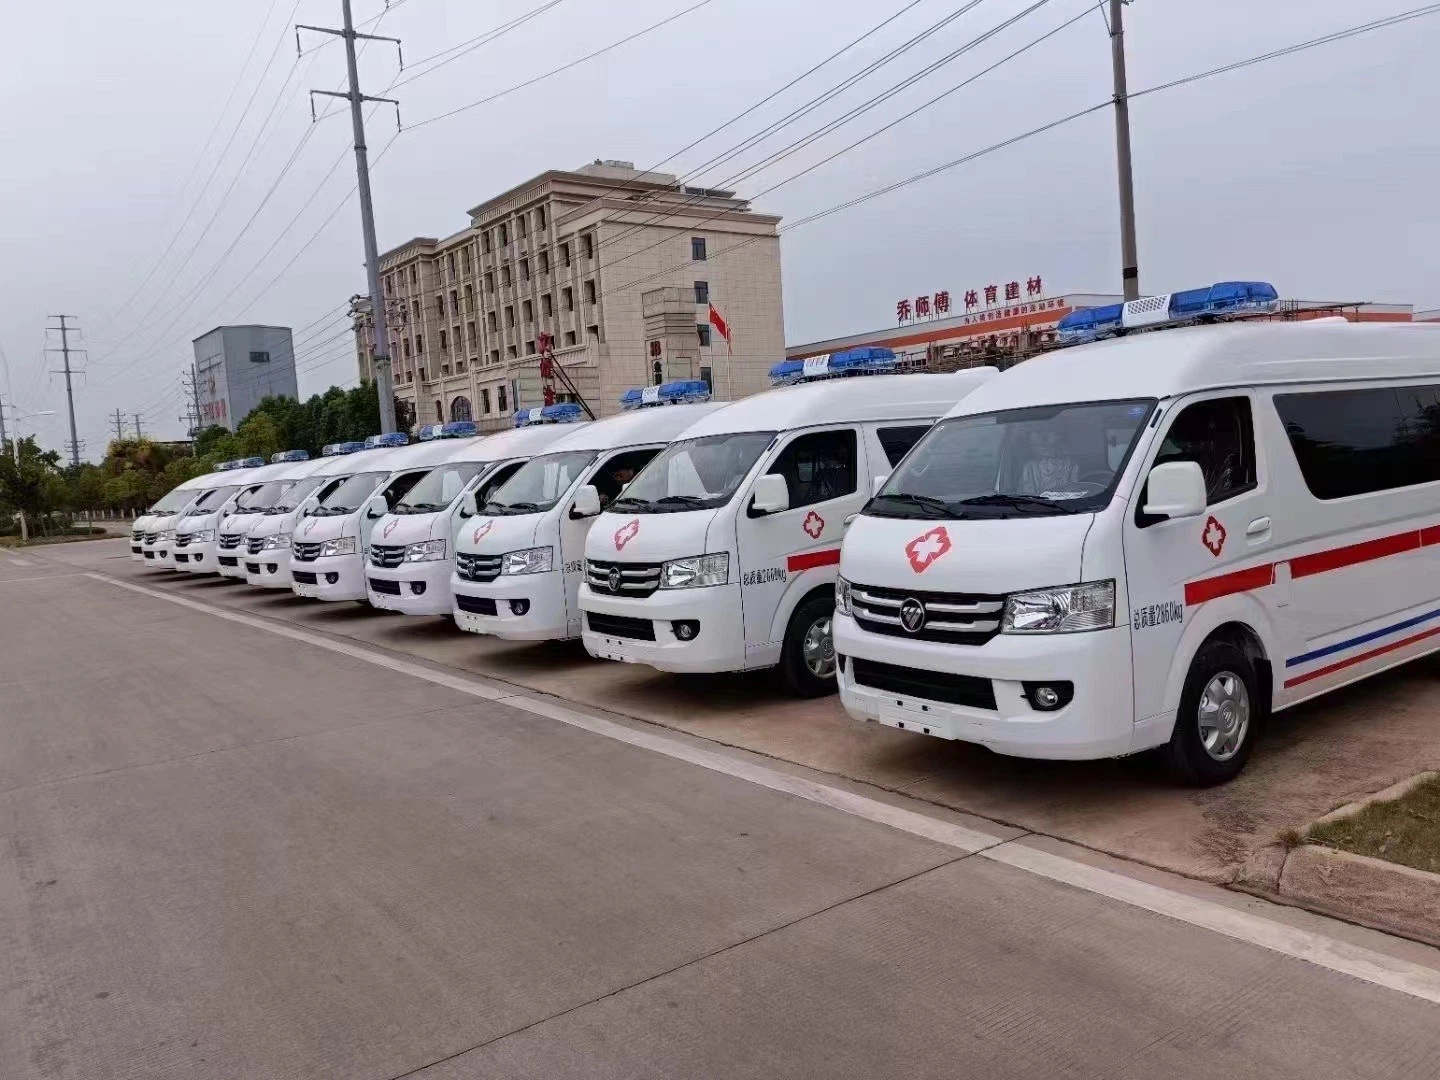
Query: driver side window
point(1217, 435)
point(819, 466)
point(398, 488)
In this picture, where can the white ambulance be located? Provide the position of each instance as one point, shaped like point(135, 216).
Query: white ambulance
point(330, 549)
point(519, 563)
point(290, 467)
point(1154, 541)
point(412, 554)
point(210, 491)
point(146, 529)
point(266, 555)
point(722, 553)
point(197, 532)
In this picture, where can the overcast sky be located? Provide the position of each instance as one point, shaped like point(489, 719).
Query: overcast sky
point(1317, 171)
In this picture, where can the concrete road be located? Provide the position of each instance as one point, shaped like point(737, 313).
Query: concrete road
point(235, 848)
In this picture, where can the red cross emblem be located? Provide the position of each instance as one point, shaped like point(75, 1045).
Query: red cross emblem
point(484, 527)
point(626, 533)
point(389, 528)
point(813, 524)
point(309, 525)
point(926, 548)
point(1214, 537)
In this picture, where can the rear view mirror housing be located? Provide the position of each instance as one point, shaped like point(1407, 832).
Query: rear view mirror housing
point(587, 502)
point(468, 507)
point(771, 495)
point(307, 508)
point(377, 507)
point(1176, 490)
point(878, 484)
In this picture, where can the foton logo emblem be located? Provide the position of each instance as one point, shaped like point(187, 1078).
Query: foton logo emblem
point(926, 548)
point(626, 533)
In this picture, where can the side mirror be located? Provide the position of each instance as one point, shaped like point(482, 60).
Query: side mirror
point(878, 484)
point(772, 495)
point(307, 508)
point(377, 507)
point(587, 502)
point(1176, 490)
point(468, 506)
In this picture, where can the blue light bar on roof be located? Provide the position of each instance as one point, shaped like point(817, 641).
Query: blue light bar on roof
point(458, 429)
point(562, 413)
point(680, 392)
point(248, 463)
point(1224, 299)
point(426, 432)
point(335, 449)
point(289, 455)
point(390, 438)
point(870, 360)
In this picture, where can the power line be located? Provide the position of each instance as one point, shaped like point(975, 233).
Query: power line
point(455, 52)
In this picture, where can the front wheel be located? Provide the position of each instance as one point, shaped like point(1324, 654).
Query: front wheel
point(1219, 717)
point(807, 659)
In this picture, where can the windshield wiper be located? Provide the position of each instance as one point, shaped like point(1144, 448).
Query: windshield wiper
point(631, 503)
point(924, 502)
point(419, 508)
point(506, 509)
point(687, 500)
point(1034, 502)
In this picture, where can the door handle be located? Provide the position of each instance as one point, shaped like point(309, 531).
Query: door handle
point(1259, 527)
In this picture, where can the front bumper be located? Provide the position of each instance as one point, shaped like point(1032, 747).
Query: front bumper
point(719, 646)
point(269, 569)
point(137, 549)
point(230, 562)
point(544, 619)
point(1097, 723)
point(196, 558)
point(336, 577)
point(424, 587)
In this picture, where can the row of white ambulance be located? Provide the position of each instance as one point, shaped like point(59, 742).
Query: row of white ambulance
point(1150, 541)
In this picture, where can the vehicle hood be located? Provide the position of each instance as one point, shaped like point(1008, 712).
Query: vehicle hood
point(399, 530)
point(315, 529)
point(144, 523)
point(650, 538)
point(483, 535)
point(272, 524)
point(195, 522)
point(162, 522)
point(241, 524)
point(1004, 555)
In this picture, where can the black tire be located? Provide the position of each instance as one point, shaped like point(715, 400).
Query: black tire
point(795, 667)
point(1221, 667)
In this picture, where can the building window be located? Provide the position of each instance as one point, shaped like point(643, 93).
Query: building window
point(419, 343)
point(509, 316)
point(259, 357)
point(703, 329)
point(440, 306)
point(528, 310)
point(491, 318)
point(469, 299)
point(590, 291)
point(568, 295)
point(485, 402)
point(540, 217)
point(511, 352)
point(521, 227)
point(485, 239)
point(657, 373)
point(489, 281)
point(593, 332)
point(504, 234)
point(702, 292)
point(565, 254)
point(697, 249)
point(444, 369)
point(544, 262)
point(530, 347)
point(500, 399)
point(494, 356)
point(524, 269)
point(442, 341)
point(569, 337)
point(450, 263)
point(547, 305)
point(454, 302)
point(708, 379)
point(470, 332)
point(587, 245)
point(465, 263)
point(505, 274)
point(460, 409)
point(415, 306)
point(389, 284)
point(407, 347)
point(439, 413)
point(412, 275)
point(459, 367)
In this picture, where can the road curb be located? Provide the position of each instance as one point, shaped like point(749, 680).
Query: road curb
point(1395, 897)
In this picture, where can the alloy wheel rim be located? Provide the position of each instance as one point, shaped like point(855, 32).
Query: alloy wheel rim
point(818, 648)
point(1224, 715)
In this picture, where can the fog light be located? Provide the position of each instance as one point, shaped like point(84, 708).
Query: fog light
point(519, 607)
point(273, 568)
point(1047, 697)
point(418, 588)
point(332, 579)
point(199, 557)
point(686, 629)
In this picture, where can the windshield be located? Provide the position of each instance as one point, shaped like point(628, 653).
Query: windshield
point(695, 474)
point(540, 483)
point(263, 497)
point(1049, 460)
point(212, 499)
point(351, 495)
point(439, 487)
point(173, 501)
point(297, 493)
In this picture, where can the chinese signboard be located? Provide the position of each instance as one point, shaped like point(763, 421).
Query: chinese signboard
point(938, 305)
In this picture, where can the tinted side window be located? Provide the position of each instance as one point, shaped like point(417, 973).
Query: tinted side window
point(619, 471)
point(496, 480)
point(1219, 437)
point(1350, 442)
point(818, 467)
point(897, 441)
point(399, 486)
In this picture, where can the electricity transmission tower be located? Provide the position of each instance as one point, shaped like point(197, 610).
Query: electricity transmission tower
point(65, 328)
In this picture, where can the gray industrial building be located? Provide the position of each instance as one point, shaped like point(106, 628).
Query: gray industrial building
point(236, 366)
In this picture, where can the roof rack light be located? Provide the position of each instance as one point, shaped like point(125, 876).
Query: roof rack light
point(681, 392)
point(566, 412)
point(336, 449)
point(1223, 300)
point(457, 429)
point(289, 455)
point(865, 361)
point(426, 432)
point(390, 438)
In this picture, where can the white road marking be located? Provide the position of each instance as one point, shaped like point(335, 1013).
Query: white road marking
point(1368, 965)
point(45, 577)
point(16, 560)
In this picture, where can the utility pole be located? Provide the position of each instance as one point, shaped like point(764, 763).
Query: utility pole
point(69, 390)
point(2, 427)
point(1129, 260)
point(138, 434)
point(119, 421)
point(384, 382)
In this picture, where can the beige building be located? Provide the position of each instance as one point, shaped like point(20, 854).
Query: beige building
point(620, 266)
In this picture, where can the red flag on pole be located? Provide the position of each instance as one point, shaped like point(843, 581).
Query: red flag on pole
point(721, 327)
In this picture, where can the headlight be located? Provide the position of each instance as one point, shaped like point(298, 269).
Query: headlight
point(204, 536)
point(696, 571)
point(1061, 611)
point(341, 545)
point(842, 596)
point(274, 543)
point(168, 534)
point(539, 560)
point(429, 551)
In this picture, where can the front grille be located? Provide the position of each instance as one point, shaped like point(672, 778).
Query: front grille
point(255, 545)
point(137, 536)
point(150, 554)
point(620, 626)
point(475, 605)
point(389, 588)
point(302, 577)
point(230, 541)
point(635, 579)
point(307, 552)
point(182, 540)
point(229, 560)
point(968, 690)
point(181, 558)
point(253, 569)
point(388, 557)
point(951, 618)
point(477, 567)
point(151, 538)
